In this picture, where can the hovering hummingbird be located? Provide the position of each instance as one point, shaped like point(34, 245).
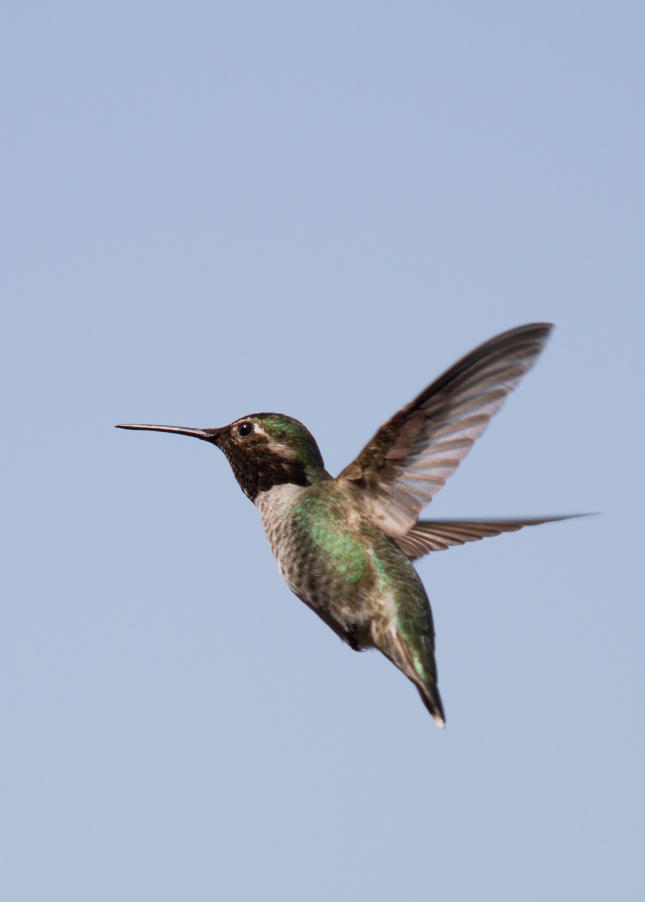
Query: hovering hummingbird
point(344, 545)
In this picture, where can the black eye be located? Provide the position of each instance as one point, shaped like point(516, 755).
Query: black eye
point(245, 429)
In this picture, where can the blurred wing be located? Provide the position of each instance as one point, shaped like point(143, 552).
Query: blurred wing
point(412, 455)
point(436, 535)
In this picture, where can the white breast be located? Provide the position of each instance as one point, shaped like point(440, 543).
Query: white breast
point(274, 506)
point(273, 503)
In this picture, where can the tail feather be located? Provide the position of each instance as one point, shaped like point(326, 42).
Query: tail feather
point(432, 700)
point(419, 666)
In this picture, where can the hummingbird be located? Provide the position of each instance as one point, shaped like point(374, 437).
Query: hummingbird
point(345, 545)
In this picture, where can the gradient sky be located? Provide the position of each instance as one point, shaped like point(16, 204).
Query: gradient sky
point(210, 209)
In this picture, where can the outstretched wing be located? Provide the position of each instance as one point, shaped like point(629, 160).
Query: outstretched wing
point(436, 535)
point(412, 455)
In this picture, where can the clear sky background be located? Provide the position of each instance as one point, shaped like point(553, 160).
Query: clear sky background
point(210, 209)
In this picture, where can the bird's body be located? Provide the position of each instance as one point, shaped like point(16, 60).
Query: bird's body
point(353, 576)
point(344, 545)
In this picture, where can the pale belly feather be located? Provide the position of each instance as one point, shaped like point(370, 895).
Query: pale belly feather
point(327, 562)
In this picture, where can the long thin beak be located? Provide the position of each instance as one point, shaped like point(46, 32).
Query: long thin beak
point(208, 435)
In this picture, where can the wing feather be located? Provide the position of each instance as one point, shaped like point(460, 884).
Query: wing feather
point(437, 535)
point(412, 455)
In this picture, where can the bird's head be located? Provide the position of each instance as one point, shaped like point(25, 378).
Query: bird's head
point(264, 450)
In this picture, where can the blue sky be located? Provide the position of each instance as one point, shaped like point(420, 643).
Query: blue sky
point(212, 209)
